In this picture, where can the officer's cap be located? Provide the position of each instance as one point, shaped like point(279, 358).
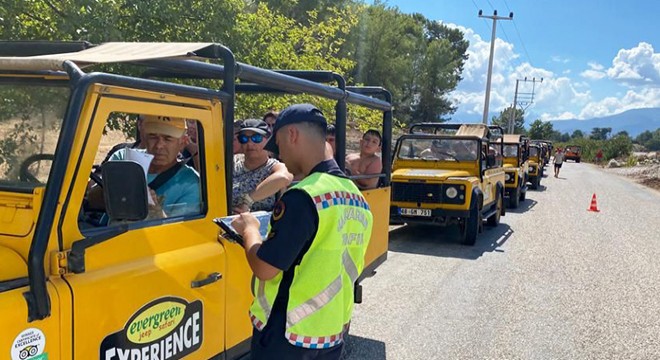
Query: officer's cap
point(295, 114)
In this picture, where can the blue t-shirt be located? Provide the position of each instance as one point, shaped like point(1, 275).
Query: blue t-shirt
point(180, 195)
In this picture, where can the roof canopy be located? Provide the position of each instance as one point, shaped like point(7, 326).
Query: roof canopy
point(114, 52)
point(479, 130)
point(512, 138)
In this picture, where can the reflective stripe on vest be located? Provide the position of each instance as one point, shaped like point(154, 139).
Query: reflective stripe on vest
point(317, 302)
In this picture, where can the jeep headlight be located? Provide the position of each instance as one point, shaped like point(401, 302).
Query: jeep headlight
point(451, 192)
point(507, 176)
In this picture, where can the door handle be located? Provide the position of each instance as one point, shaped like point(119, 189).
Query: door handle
point(213, 277)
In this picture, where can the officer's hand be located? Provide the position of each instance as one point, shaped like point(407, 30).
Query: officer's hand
point(245, 222)
point(239, 209)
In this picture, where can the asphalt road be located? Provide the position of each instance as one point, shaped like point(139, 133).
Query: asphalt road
point(553, 281)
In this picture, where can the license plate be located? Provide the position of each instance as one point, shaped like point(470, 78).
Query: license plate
point(416, 212)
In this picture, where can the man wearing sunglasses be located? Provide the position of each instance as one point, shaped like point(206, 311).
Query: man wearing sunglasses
point(257, 177)
point(305, 271)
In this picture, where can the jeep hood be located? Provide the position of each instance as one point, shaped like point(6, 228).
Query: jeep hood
point(434, 174)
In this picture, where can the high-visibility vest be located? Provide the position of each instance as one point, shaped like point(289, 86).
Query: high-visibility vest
point(320, 302)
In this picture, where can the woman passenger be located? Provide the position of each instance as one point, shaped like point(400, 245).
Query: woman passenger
point(257, 177)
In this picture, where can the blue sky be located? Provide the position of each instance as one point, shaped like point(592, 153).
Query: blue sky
point(597, 58)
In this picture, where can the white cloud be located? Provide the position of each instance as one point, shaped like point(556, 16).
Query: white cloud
point(563, 116)
point(648, 97)
point(593, 74)
point(559, 96)
point(637, 66)
point(560, 59)
point(595, 66)
point(595, 71)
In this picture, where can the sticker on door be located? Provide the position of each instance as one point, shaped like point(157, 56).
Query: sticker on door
point(168, 328)
point(29, 345)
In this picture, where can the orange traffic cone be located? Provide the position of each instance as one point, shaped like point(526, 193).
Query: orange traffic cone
point(594, 205)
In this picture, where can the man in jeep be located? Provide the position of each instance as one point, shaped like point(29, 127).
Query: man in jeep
point(173, 185)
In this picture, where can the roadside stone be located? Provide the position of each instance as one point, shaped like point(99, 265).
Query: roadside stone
point(613, 164)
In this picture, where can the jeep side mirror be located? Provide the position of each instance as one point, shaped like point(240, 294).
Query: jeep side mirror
point(124, 191)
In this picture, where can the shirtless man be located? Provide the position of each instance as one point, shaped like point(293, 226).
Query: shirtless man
point(366, 162)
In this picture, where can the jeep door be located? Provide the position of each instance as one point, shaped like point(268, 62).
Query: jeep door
point(156, 289)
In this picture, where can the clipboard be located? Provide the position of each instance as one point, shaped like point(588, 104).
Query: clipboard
point(232, 235)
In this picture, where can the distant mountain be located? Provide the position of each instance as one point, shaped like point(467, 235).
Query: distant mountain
point(633, 121)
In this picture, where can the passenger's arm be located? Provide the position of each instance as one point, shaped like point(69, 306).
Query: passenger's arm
point(374, 167)
point(278, 179)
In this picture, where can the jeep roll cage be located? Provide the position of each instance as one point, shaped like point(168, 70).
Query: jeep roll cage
point(66, 59)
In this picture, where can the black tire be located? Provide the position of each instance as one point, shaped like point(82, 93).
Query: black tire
point(470, 227)
point(523, 195)
point(514, 198)
point(536, 182)
point(494, 219)
point(577, 161)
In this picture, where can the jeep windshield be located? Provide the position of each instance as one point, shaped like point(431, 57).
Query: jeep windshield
point(30, 122)
point(510, 151)
point(533, 152)
point(438, 149)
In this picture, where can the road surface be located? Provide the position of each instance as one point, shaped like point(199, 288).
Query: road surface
point(553, 281)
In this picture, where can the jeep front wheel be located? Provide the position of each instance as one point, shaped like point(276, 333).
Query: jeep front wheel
point(494, 219)
point(514, 198)
point(470, 226)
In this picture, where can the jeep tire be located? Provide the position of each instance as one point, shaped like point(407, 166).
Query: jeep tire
point(470, 227)
point(514, 198)
point(494, 219)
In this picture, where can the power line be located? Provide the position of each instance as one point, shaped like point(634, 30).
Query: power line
point(484, 20)
point(523, 44)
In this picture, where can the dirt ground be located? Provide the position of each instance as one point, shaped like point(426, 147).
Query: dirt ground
point(648, 175)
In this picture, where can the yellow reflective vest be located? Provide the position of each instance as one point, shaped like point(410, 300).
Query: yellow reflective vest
point(320, 301)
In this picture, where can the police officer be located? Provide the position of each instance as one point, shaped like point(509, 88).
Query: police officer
point(305, 271)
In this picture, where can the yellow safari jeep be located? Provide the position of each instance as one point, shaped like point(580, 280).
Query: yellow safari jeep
point(516, 166)
point(135, 287)
point(535, 165)
point(440, 178)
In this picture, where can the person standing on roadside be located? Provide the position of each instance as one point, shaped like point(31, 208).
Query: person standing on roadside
point(558, 160)
point(306, 269)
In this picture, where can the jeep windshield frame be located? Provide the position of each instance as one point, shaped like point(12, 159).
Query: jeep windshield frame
point(32, 111)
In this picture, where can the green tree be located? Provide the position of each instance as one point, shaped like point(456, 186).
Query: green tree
point(540, 130)
point(600, 133)
point(577, 134)
point(503, 120)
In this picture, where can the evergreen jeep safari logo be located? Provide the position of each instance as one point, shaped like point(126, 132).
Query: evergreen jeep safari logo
point(168, 328)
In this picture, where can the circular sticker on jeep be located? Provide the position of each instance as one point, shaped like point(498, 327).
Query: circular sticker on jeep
point(29, 345)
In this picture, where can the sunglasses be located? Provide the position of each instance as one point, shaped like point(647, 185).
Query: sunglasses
point(256, 138)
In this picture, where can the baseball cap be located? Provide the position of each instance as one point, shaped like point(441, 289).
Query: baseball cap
point(295, 114)
point(256, 125)
point(164, 125)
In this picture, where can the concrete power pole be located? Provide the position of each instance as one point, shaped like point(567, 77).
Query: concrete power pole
point(490, 61)
point(526, 99)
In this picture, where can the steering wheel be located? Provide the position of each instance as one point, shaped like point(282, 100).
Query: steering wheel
point(24, 170)
point(446, 153)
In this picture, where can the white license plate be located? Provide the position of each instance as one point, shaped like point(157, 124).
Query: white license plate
point(416, 212)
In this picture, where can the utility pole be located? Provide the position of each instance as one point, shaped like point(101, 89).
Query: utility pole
point(526, 99)
point(494, 17)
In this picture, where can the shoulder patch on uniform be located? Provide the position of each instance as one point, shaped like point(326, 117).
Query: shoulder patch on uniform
point(278, 210)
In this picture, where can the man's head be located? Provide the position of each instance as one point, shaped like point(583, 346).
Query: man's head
point(371, 142)
point(165, 137)
point(252, 135)
point(270, 118)
point(298, 134)
point(330, 137)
